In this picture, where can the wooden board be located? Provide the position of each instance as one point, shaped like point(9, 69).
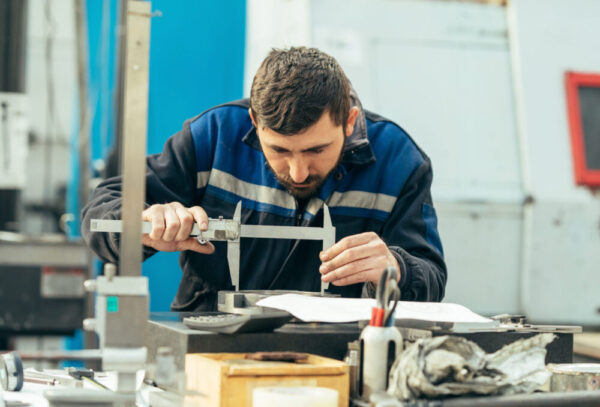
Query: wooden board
point(228, 379)
point(587, 344)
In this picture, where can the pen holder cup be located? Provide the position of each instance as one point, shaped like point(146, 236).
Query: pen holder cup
point(379, 348)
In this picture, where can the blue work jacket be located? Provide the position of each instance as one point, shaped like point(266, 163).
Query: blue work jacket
point(381, 184)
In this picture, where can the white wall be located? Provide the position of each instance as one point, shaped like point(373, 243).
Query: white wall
point(273, 24)
point(561, 266)
point(442, 71)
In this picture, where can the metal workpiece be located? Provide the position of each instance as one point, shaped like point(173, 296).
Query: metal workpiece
point(508, 322)
point(574, 376)
point(244, 301)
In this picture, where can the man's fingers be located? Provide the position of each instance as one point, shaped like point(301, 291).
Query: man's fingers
point(186, 221)
point(171, 227)
point(192, 244)
point(346, 243)
point(355, 278)
point(171, 223)
point(348, 256)
point(155, 214)
point(349, 269)
point(200, 217)
point(147, 240)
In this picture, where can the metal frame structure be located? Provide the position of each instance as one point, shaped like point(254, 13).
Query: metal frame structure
point(122, 298)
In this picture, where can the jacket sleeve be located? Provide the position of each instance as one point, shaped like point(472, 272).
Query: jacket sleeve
point(170, 176)
point(411, 234)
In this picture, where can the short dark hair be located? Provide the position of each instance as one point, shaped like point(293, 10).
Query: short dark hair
point(293, 87)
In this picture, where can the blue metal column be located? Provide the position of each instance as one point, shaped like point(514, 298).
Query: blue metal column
point(196, 62)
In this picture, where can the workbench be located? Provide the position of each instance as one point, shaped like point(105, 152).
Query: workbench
point(330, 340)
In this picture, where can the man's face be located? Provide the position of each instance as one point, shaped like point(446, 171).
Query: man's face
point(302, 162)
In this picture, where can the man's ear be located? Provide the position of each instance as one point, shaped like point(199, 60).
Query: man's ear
point(252, 117)
point(352, 116)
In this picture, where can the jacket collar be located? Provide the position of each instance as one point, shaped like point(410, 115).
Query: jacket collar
point(357, 149)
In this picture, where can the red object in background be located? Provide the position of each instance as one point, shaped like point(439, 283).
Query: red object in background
point(586, 172)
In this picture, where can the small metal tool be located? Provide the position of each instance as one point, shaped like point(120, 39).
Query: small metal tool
point(231, 230)
point(50, 378)
point(387, 290)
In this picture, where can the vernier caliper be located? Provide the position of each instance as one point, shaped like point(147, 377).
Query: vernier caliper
point(231, 230)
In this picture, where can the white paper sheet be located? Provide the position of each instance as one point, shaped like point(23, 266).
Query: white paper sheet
point(328, 309)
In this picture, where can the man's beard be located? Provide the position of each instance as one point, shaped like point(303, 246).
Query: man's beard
point(315, 181)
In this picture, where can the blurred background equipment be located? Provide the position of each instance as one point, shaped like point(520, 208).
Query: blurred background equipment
point(13, 105)
point(41, 287)
point(41, 271)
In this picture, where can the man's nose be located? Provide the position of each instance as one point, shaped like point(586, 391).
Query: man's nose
point(298, 169)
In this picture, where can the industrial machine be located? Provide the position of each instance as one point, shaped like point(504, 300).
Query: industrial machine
point(48, 297)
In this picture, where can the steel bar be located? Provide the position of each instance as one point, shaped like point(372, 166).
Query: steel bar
point(135, 115)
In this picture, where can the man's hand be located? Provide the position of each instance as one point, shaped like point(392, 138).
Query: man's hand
point(356, 259)
point(171, 227)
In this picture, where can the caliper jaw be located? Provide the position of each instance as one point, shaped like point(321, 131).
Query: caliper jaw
point(233, 248)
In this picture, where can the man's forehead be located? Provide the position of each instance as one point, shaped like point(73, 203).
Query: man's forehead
point(323, 132)
point(298, 142)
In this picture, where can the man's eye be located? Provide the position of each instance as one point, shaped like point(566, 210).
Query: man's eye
point(316, 150)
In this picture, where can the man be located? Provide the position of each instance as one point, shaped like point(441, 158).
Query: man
point(301, 140)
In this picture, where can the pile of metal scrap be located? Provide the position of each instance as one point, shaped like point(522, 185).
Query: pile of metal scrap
point(451, 365)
